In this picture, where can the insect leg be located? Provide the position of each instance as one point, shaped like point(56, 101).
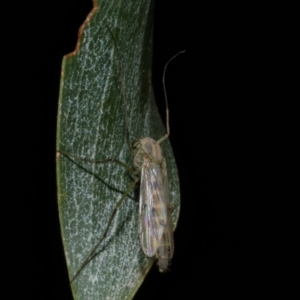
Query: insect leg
point(91, 254)
point(125, 194)
point(128, 168)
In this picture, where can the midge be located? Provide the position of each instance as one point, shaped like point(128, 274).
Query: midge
point(155, 208)
point(155, 220)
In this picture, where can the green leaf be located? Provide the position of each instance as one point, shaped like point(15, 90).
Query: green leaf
point(91, 125)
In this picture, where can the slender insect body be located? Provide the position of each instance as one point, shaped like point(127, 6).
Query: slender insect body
point(155, 220)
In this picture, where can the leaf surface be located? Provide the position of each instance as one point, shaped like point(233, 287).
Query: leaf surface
point(91, 125)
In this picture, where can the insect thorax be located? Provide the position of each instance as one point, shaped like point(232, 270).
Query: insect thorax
point(147, 149)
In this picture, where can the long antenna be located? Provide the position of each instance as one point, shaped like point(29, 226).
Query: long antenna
point(166, 99)
point(122, 90)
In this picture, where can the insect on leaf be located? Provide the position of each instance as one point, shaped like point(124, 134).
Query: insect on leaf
point(92, 125)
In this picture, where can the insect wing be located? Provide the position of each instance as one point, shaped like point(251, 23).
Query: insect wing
point(165, 250)
point(155, 223)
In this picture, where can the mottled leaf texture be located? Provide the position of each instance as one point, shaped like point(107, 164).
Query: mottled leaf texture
point(91, 125)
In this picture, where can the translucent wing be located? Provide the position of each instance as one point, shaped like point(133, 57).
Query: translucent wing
point(155, 224)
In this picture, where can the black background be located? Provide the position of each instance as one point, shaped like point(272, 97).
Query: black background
point(226, 132)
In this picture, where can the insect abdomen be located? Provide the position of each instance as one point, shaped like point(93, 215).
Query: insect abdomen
point(162, 254)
